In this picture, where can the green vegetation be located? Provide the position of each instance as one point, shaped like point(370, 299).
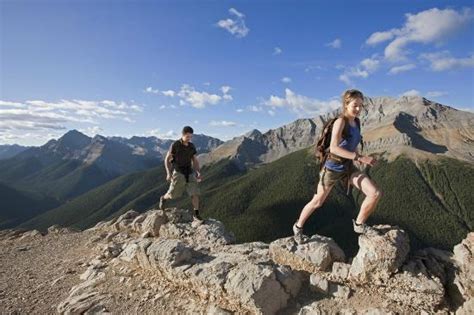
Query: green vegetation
point(18, 206)
point(431, 202)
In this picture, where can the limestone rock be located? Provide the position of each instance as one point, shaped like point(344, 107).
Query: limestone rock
point(380, 256)
point(464, 260)
point(317, 254)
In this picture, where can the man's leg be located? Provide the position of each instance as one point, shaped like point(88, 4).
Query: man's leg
point(175, 190)
point(194, 192)
point(372, 195)
point(195, 201)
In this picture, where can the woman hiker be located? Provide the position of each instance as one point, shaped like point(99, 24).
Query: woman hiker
point(339, 166)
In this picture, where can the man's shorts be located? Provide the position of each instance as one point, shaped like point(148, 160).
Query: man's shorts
point(178, 185)
point(328, 177)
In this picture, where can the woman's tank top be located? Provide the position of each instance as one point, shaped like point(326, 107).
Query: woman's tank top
point(350, 144)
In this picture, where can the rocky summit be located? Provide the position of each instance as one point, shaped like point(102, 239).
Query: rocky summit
point(163, 262)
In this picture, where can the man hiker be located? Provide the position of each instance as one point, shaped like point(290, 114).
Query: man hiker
point(186, 173)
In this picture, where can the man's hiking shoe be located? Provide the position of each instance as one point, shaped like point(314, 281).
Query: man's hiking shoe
point(161, 205)
point(364, 229)
point(197, 217)
point(299, 237)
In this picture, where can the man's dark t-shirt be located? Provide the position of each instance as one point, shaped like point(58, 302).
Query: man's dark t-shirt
point(182, 156)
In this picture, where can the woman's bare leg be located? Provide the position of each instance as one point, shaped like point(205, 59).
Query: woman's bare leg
point(317, 201)
point(372, 195)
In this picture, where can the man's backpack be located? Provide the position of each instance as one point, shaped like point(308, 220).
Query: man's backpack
point(324, 141)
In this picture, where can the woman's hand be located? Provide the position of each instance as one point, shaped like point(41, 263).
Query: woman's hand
point(367, 160)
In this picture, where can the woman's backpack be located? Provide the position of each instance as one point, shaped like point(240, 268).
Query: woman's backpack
point(324, 141)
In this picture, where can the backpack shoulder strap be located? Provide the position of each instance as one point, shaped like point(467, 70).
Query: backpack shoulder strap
point(361, 138)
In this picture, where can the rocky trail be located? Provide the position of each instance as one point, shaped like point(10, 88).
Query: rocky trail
point(163, 262)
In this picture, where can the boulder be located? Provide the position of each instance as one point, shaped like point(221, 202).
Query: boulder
point(321, 284)
point(379, 256)
point(464, 260)
point(317, 254)
point(151, 223)
point(416, 291)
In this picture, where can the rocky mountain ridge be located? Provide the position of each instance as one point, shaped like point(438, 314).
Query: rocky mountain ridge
point(410, 124)
point(164, 262)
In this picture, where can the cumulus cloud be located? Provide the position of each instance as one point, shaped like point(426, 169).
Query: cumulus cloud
point(402, 68)
point(222, 123)
point(429, 26)
point(362, 70)
point(411, 92)
point(337, 43)
point(441, 61)
point(170, 134)
point(286, 80)
point(300, 104)
point(197, 99)
point(91, 131)
point(429, 94)
point(43, 117)
point(434, 94)
point(236, 26)
point(277, 51)
point(151, 90)
point(169, 93)
point(188, 95)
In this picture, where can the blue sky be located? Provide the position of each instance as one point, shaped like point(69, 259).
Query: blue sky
point(224, 67)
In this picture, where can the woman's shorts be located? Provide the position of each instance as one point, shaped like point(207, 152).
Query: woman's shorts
point(328, 177)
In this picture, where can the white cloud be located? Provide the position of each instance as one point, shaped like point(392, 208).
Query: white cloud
point(170, 134)
point(441, 61)
point(311, 68)
point(235, 26)
point(188, 95)
point(151, 90)
point(403, 68)
point(239, 110)
point(197, 99)
point(434, 94)
point(286, 80)
point(429, 94)
point(412, 92)
point(91, 131)
point(271, 112)
point(225, 89)
point(43, 117)
point(429, 26)
point(277, 51)
point(169, 93)
point(302, 105)
point(222, 123)
point(337, 43)
point(254, 108)
point(379, 37)
point(362, 70)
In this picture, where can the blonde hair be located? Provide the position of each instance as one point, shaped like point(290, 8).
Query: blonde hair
point(348, 96)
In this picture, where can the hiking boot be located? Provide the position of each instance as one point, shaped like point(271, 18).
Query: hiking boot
point(161, 205)
point(299, 237)
point(364, 229)
point(197, 217)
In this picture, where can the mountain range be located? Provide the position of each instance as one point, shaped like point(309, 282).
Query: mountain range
point(257, 183)
point(67, 167)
